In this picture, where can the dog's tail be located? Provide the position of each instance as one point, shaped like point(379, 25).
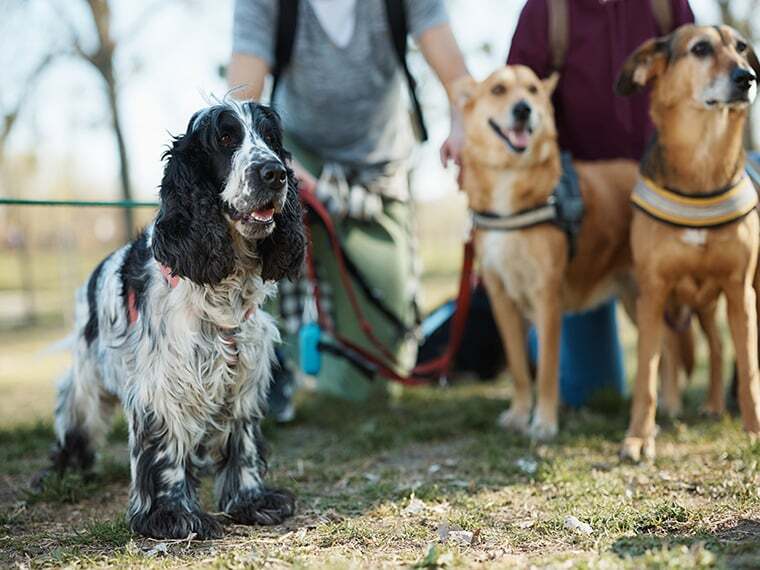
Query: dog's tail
point(686, 350)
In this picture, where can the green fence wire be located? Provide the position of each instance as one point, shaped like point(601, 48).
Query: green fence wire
point(79, 203)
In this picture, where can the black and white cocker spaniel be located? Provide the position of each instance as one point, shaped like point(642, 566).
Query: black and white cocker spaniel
point(172, 326)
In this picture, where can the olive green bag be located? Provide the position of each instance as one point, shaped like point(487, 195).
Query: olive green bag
point(382, 253)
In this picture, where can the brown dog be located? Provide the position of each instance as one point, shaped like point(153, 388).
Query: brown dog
point(511, 164)
point(703, 81)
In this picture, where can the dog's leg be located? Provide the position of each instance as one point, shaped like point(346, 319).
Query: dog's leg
point(716, 403)
point(510, 323)
point(742, 320)
point(82, 419)
point(163, 500)
point(242, 494)
point(649, 315)
point(548, 325)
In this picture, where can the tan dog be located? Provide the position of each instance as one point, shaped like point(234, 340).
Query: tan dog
point(702, 84)
point(511, 164)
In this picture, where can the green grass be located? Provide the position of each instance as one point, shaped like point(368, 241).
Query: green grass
point(359, 470)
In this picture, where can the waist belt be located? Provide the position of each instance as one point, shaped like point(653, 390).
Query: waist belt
point(689, 211)
point(564, 209)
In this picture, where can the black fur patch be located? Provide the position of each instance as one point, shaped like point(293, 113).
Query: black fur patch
point(268, 507)
point(236, 456)
point(173, 509)
point(134, 274)
point(91, 328)
point(75, 453)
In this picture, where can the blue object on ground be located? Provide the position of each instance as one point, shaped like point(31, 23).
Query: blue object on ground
point(308, 346)
point(591, 357)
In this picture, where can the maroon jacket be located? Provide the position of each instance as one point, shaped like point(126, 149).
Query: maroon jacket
point(593, 122)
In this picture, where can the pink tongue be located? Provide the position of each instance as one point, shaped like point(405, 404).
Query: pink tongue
point(520, 139)
point(264, 214)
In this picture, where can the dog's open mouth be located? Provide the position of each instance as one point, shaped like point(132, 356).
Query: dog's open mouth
point(517, 138)
point(263, 215)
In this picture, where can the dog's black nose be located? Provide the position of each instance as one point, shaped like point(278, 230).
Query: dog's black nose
point(743, 78)
point(521, 111)
point(273, 175)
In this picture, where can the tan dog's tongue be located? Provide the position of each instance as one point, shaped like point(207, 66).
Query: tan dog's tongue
point(520, 139)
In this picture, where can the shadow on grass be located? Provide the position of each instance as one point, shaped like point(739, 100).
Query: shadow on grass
point(736, 546)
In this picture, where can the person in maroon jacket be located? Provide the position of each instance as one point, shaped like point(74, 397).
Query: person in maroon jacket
point(594, 124)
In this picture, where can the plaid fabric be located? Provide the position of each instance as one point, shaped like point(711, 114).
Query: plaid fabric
point(294, 296)
point(356, 194)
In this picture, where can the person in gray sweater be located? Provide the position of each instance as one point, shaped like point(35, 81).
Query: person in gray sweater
point(344, 111)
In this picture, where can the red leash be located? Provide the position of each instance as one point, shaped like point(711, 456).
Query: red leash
point(384, 360)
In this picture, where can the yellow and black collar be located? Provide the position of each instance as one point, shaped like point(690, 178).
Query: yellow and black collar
point(690, 211)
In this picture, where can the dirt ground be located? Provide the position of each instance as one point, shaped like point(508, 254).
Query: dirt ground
point(425, 480)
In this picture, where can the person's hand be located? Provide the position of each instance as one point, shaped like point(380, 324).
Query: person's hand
point(451, 150)
point(305, 179)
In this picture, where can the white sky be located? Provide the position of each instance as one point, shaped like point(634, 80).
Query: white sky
point(172, 67)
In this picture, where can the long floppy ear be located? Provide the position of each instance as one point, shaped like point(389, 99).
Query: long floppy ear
point(191, 235)
point(282, 253)
point(649, 61)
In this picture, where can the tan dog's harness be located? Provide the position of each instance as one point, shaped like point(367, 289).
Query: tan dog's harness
point(564, 209)
point(689, 211)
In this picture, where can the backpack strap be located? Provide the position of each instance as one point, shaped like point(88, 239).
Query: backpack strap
point(399, 27)
point(663, 15)
point(559, 26)
point(287, 20)
point(559, 32)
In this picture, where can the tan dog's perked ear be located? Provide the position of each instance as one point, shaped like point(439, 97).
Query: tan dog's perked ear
point(550, 83)
point(463, 91)
point(646, 63)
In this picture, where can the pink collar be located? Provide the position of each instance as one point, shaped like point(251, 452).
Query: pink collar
point(172, 280)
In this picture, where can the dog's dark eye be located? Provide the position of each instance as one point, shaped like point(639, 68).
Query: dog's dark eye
point(741, 47)
point(702, 49)
point(498, 89)
point(227, 140)
point(533, 89)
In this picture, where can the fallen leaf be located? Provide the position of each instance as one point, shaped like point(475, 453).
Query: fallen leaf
point(161, 549)
point(414, 507)
point(574, 524)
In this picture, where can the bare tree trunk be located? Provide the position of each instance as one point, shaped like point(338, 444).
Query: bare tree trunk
point(124, 178)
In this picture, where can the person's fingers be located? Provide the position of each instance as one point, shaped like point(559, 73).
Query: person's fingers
point(444, 154)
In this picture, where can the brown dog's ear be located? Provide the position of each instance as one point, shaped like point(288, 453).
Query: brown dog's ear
point(646, 63)
point(463, 91)
point(550, 83)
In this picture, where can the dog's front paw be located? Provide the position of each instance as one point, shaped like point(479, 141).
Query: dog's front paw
point(269, 507)
point(636, 449)
point(169, 521)
point(515, 419)
point(543, 429)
